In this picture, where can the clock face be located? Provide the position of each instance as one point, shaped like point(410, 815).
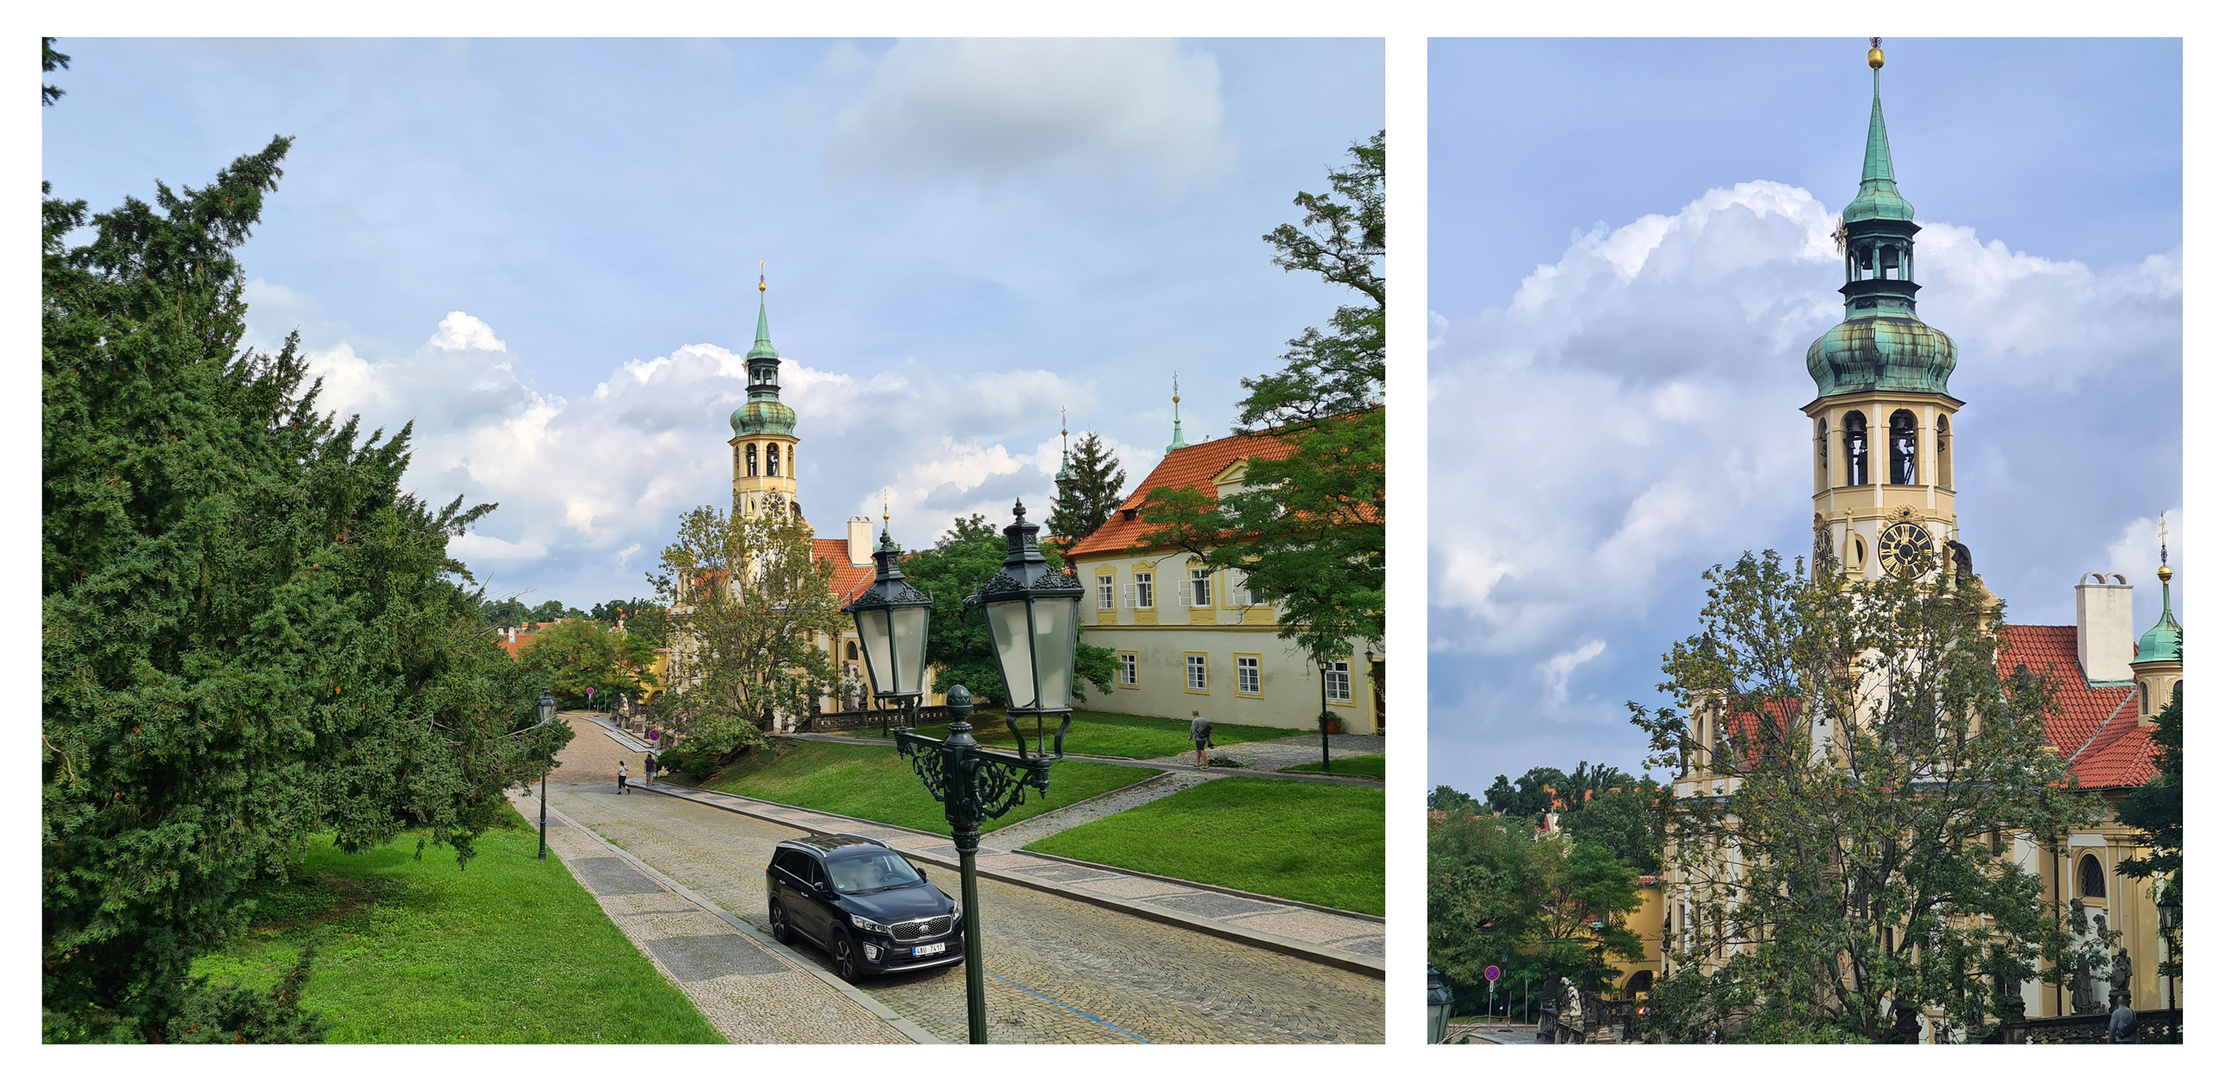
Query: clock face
point(773, 503)
point(1906, 549)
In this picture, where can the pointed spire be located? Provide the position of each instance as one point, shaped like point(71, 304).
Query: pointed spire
point(1877, 194)
point(1178, 440)
point(1063, 470)
point(2163, 641)
point(763, 349)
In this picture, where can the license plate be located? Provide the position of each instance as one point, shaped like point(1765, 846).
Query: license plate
point(934, 949)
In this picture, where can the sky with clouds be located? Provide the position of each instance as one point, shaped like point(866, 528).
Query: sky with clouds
point(544, 253)
point(1629, 253)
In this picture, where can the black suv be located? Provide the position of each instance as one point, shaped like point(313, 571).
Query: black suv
point(864, 904)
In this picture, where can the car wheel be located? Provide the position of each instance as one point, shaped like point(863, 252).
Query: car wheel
point(781, 931)
point(844, 958)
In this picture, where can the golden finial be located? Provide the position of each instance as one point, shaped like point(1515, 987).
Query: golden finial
point(1873, 55)
point(762, 280)
point(884, 513)
point(2165, 572)
point(1175, 388)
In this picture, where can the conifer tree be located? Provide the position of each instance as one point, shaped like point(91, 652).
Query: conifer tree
point(1088, 496)
point(250, 635)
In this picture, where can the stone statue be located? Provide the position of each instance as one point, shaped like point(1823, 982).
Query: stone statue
point(2123, 973)
point(1822, 544)
point(2084, 992)
point(1961, 558)
point(1569, 1011)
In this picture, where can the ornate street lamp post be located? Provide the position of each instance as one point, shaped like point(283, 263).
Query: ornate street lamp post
point(1437, 1006)
point(1029, 611)
point(546, 706)
point(890, 619)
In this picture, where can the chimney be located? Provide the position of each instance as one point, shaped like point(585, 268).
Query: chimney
point(2104, 627)
point(859, 541)
point(512, 635)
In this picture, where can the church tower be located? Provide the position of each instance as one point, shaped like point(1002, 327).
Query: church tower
point(1883, 500)
point(2157, 664)
point(763, 439)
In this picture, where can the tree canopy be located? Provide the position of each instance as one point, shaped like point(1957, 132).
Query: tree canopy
point(750, 609)
point(2154, 812)
point(1309, 528)
point(1868, 775)
point(250, 635)
point(575, 655)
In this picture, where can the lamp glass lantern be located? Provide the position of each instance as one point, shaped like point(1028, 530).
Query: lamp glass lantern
point(891, 620)
point(1437, 1006)
point(546, 706)
point(1032, 613)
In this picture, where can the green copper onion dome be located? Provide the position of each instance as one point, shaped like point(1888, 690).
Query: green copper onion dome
point(2162, 642)
point(763, 413)
point(1880, 344)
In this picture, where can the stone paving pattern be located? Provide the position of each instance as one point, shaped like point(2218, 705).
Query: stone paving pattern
point(745, 989)
point(1057, 970)
point(1353, 937)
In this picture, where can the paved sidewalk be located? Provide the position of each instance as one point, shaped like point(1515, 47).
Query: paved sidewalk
point(1272, 755)
point(1282, 751)
point(1347, 940)
point(750, 988)
point(1033, 829)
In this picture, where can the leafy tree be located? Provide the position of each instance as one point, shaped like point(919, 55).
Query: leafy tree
point(1308, 526)
point(2154, 811)
point(505, 612)
point(1538, 906)
point(575, 654)
point(956, 640)
point(1628, 822)
point(750, 606)
point(552, 611)
point(645, 618)
point(1868, 770)
point(1094, 489)
point(249, 634)
point(1444, 797)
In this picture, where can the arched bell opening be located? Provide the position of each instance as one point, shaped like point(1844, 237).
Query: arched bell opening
point(771, 460)
point(1853, 449)
point(751, 459)
point(1942, 452)
point(1903, 447)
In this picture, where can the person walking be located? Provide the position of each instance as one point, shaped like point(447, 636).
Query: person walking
point(624, 786)
point(650, 769)
point(2121, 1028)
point(1198, 729)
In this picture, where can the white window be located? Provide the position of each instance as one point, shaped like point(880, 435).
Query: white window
point(1198, 582)
point(1198, 671)
point(1129, 669)
point(1247, 595)
point(1144, 589)
point(1106, 591)
point(1337, 681)
point(1247, 679)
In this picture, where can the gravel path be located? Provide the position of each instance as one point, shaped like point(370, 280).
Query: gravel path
point(1271, 755)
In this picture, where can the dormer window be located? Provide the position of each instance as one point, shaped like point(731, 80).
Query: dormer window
point(1132, 514)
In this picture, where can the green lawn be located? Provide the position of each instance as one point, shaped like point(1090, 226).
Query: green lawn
point(1319, 843)
point(1372, 765)
point(1103, 734)
point(876, 784)
point(506, 950)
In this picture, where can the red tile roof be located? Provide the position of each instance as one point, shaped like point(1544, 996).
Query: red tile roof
point(2095, 727)
point(847, 581)
point(1187, 467)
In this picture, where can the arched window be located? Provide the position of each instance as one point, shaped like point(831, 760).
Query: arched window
point(771, 460)
point(1640, 981)
point(751, 459)
point(2092, 877)
point(1942, 451)
point(1903, 448)
point(851, 650)
point(1888, 260)
point(1853, 448)
point(1819, 439)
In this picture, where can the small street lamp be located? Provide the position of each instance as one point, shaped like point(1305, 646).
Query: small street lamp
point(1437, 1007)
point(1325, 718)
point(1029, 612)
point(891, 618)
point(546, 706)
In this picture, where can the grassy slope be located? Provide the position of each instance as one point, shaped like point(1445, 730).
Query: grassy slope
point(508, 949)
point(876, 784)
point(1372, 765)
point(1115, 734)
point(1319, 843)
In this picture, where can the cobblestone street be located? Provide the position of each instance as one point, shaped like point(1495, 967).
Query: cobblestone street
point(1057, 970)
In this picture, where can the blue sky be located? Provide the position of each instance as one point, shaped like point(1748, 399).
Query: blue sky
point(545, 251)
point(1627, 259)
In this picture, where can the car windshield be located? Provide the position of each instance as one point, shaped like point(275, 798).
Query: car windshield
point(871, 872)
